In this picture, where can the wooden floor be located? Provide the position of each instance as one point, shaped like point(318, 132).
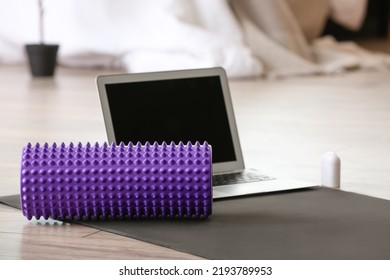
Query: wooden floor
point(285, 126)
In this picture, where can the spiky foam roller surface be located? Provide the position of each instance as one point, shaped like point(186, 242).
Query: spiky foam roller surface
point(100, 181)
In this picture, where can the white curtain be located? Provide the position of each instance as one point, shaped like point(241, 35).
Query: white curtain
point(249, 38)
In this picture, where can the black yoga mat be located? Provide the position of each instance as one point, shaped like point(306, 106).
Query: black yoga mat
point(314, 223)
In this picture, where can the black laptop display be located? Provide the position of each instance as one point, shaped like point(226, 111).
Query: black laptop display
point(188, 109)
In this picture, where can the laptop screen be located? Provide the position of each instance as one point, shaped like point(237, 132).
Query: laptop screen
point(185, 109)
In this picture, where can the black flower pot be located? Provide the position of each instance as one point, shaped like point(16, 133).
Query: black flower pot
point(42, 59)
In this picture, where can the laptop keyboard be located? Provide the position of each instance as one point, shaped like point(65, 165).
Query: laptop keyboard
point(246, 176)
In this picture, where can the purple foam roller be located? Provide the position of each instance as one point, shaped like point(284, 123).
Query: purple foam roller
point(118, 181)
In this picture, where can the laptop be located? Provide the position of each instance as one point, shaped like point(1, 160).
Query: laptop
point(184, 105)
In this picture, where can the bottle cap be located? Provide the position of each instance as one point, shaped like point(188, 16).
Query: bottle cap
point(330, 170)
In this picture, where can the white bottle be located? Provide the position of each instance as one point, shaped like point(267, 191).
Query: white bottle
point(330, 173)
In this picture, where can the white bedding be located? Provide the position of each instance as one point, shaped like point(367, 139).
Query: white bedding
point(151, 35)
